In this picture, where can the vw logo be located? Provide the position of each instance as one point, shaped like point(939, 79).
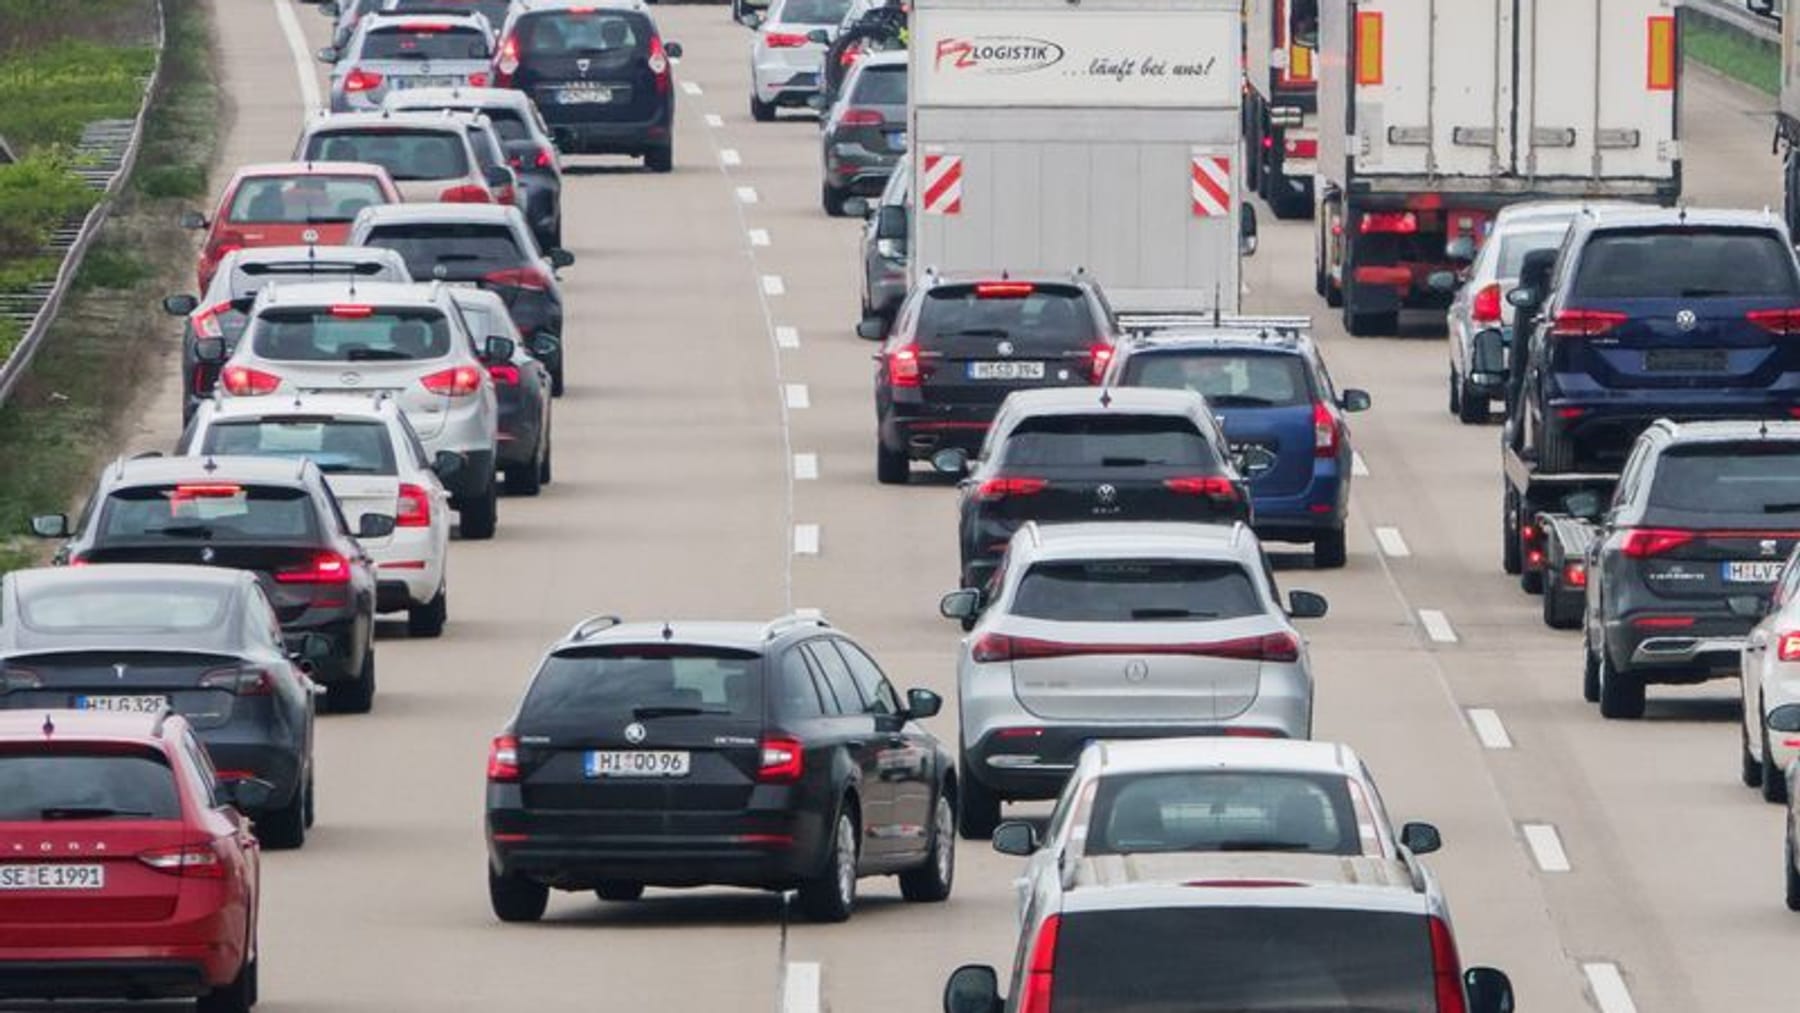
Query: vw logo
point(634, 733)
point(582, 64)
point(1769, 546)
point(1686, 320)
point(350, 379)
point(1137, 670)
point(1004, 348)
point(310, 236)
point(207, 554)
point(1107, 495)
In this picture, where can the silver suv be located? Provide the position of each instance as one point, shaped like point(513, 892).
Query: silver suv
point(1115, 631)
point(396, 52)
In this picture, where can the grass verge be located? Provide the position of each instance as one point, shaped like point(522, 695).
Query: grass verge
point(1733, 54)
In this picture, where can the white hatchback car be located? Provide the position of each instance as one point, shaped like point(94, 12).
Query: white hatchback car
point(409, 341)
point(1770, 725)
point(787, 67)
point(374, 464)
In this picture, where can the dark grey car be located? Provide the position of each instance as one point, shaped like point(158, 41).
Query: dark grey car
point(864, 131)
point(884, 250)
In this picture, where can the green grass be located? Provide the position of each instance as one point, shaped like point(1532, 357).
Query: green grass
point(47, 95)
point(1733, 54)
point(111, 266)
point(36, 195)
point(9, 336)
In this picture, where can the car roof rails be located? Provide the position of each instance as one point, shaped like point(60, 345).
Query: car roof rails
point(593, 626)
point(799, 617)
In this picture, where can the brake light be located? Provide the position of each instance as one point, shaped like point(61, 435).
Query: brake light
point(241, 681)
point(196, 860)
point(1004, 289)
point(206, 321)
point(425, 26)
point(519, 277)
point(352, 311)
point(457, 381)
point(244, 381)
point(323, 568)
point(506, 61)
point(783, 760)
point(412, 509)
point(545, 159)
point(1040, 973)
point(1788, 647)
point(903, 366)
point(1585, 323)
point(202, 490)
point(503, 759)
point(1101, 356)
point(995, 489)
point(1575, 575)
point(1202, 485)
point(658, 63)
point(360, 80)
point(851, 54)
point(1782, 321)
point(1274, 647)
point(1486, 307)
point(861, 118)
point(505, 374)
point(784, 40)
point(466, 194)
point(1399, 223)
point(1446, 968)
point(1326, 432)
point(479, 79)
point(1642, 543)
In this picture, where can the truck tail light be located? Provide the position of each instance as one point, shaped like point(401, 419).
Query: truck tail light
point(1399, 223)
point(1585, 323)
point(1485, 309)
point(903, 366)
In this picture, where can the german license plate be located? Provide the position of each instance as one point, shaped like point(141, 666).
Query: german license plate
point(583, 96)
point(638, 763)
point(1006, 371)
point(122, 704)
point(1757, 572)
point(425, 82)
point(52, 877)
point(1686, 360)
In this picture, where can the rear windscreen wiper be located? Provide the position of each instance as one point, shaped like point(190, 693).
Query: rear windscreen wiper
point(376, 354)
point(1259, 845)
point(1239, 401)
point(1781, 508)
point(1172, 613)
point(674, 711)
point(184, 531)
point(1127, 462)
point(87, 812)
point(976, 332)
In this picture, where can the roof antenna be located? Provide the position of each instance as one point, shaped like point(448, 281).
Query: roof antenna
point(210, 465)
point(1218, 304)
point(668, 633)
point(49, 726)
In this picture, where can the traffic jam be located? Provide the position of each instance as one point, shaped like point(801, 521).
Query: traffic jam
point(1049, 212)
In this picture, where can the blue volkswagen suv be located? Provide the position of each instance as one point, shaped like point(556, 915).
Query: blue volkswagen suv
point(1268, 386)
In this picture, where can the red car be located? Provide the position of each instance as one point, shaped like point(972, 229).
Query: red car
point(288, 204)
point(124, 872)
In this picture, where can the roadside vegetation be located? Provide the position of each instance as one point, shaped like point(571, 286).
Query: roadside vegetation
point(1733, 54)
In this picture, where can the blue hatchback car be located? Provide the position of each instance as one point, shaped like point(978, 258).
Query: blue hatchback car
point(1269, 388)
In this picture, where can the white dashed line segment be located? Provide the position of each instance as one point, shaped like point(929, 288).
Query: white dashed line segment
point(1546, 847)
point(1357, 465)
point(714, 120)
point(1437, 626)
point(747, 195)
point(690, 87)
point(800, 988)
point(797, 395)
point(1392, 545)
point(303, 61)
point(773, 285)
point(1488, 728)
point(787, 337)
point(730, 156)
point(1608, 986)
point(758, 237)
point(806, 539)
point(806, 467)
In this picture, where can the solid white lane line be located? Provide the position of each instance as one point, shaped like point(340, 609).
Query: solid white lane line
point(797, 395)
point(800, 987)
point(730, 156)
point(758, 237)
point(1437, 626)
point(1392, 543)
point(1357, 466)
point(1608, 986)
point(1488, 728)
point(806, 467)
point(787, 337)
point(714, 120)
point(747, 195)
point(303, 61)
point(773, 285)
point(806, 539)
point(1546, 847)
point(690, 87)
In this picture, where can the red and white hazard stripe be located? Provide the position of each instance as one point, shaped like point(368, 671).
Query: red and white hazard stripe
point(942, 187)
point(1211, 186)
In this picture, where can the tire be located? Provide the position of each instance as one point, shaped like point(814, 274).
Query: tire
point(312, 800)
point(556, 378)
point(618, 890)
point(931, 882)
point(525, 480)
point(660, 160)
point(891, 467)
point(545, 475)
point(1531, 581)
point(977, 808)
point(1792, 877)
point(760, 111)
point(284, 829)
point(1750, 769)
point(1556, 452)
point(480, 517)
point(1334, 295)
point(1774, 780)
point(355, 696)
point(1590, 675)
point(831, 896)
point(1510, 559)
point(1455, 393)
point(1471, 405)
point(515, 898)
point(832, 199)
point(1621, 693)
point(237, 997)
point(1328, 550)
point(428, 619)
point(1556, 616)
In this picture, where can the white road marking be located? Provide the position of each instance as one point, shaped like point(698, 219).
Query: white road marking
point(787, 337)
point(690, 87)
point(1437, 626)
point(1608, 986)
point(1546, 847)
point(800, 988)
point(806, 542)
point(806, 467)
point(730, 156)
point(797, 395)
point(1358, 466)
point(773, 285)
point(1391, 543)
point(759, 237)
point(303, 60)
point(1488, 728)
point(714, 120)
point(747, 195)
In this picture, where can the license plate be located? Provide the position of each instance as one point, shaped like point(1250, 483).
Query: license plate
point(122, 704)
point(404, 83)
point(583, 96)
point(52, 877)
point(1006, 371)
point(1686, 360)
point(1758, 572)
point(638, 763)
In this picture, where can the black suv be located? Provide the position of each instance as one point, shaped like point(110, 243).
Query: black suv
point(691, 753)
point(599, 72)
point(1702, 520)
point(1114, 454)
point(275, 518)
point(959, 346)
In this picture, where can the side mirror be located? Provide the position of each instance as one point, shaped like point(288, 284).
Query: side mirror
point(193, 220)
point(180, 305)
point(1017, 838)
point(950, 461)
point(1441, 281)
point(750, 19)
point(543, 345)
point(1744, 606)
point(1354, 399)
point(871, 328)
point(209, 350)
point(375, 526)
point(50, 526)
point(499, 175)
point(1307, 605)
point(498, 349)
point(1763, 8)
point(890, 222)
point(1489, 990)
point(447, 465)
point(1421, 838)
point(1247, 231)
point(248, 795)
point(1487, 353)
point(673, 49)
point(819, 36)
point(972, 988)
point(922, 704)
point(1460, 248)
point(1785, 719)
point(1523, 298)
point(857, 207)
point(559, 257)
point(1535, 273)
point(963, 603)
point(327, 54)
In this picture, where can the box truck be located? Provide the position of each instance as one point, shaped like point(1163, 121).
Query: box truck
point(1787, 120)
point(1281, 107)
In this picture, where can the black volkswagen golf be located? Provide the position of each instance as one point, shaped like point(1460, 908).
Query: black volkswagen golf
point(769, 756)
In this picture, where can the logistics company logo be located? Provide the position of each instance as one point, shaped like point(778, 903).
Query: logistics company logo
point(997, 54)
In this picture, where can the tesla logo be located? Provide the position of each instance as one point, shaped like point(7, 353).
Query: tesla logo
point(1137, 670)
point(1769, 546)
point(1686, 320)
point(634, 733)
point(1107, 495)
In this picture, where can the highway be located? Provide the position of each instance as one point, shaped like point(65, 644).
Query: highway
point(714, 457)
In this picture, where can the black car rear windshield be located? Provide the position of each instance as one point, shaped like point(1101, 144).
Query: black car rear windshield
point(134, 784)
point(1107, 441)
point(425, 40)
point(208, 512)
point(405, 154)
point(1210, 810)
point(464, 250)
point(350, 334)
point(1130, 590)
point(1227, 379)
point(119, 605)
point(337, 446)
point(1753, 477)
point(1686, 264)
point(814, 12)
point(302, 200)
point(603, 34)
point(881, 86)
point(1243, 960)
point(643, 683)
point(1031, 316)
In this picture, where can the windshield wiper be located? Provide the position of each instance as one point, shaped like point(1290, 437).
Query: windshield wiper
point(440, 258)
point(376, 354)
point(674, 711)
point(1261, 845)
point(87, 812)
point(1781, 508)
point(184, 531)
point(1127, 462)
point(1172, 613)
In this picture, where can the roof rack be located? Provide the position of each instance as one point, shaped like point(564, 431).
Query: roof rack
point(799, 617)
point(592, 626)
point(1150, 324)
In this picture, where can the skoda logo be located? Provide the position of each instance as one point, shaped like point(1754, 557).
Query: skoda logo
point(1004, 348)
point(1686, 320)
point(310, 236)
point(1107, 495)
point(1137, 670)
point(634, 733)
point(350, 379)
point(1769, 546)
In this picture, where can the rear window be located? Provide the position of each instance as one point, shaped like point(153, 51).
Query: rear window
point(644, 683)
point(405, 154)
point(1107, 441)
point(813, 12)
point(1226, 379)
point(462, 251)
point(335, 335)
point(79, 786)
point(1053, 315)
point(209, 511)
point(508, 124)
point(1729, 478)
point(1223, 811)
point(1686, 263)
point(119, 605)
point(1253, 960)
point(593, 33)
point(338, 447)
point(1110, 591)
point(493, 10)
point(303, 200)
point(1515, 247)
point(881, 86)
point(426, 40)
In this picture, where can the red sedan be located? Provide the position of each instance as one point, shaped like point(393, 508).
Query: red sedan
point(288, 204)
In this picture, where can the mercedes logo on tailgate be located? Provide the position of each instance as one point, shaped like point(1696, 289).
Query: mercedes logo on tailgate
point(350, 378)
point(634, 733)
point(1137, 670)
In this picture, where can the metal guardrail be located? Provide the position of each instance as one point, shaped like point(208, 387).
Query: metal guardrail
point(1737, 15)
point(106, 153)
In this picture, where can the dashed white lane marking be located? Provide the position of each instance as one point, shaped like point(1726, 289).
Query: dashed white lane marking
point(787, 337)
point(747, 195)
point(1437, 626)
point(1608, 986)
point(1358, 466)
point(1546, 847)
point(806, 467)
point(1392, 545)
point(690, 87)
point(758, 237)
point(797, 395)
point(303, 64)
point(806, 541)
point(1488, 728)
point(773, 285)
point(800, 988)
point(714, 120)
point(730, 156)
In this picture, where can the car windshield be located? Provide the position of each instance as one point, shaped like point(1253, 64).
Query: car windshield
point(453, 251)
point(337, 446)
point(424, 41)
point(813, 12)
point(208, 512)
point(138, 605)
point(1262, 959)
point(1752, 477)
point(1037, 315)
point(1136, 590)
point(1107, 441)
point(881, 86)
point(1686, 263)
point(642, 683)
point(63, 785)
point(1215, 810)
point(350, 334)
point(303, 200)
point(588, 32)
point(1516, 246)
point(405, 154)
point(1225, 378)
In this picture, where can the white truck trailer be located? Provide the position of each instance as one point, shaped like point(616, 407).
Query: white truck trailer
point(1787, 116)
point(1434, 114)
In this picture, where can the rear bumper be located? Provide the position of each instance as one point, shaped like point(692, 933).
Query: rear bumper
point(625, 138)
point(1711, 648)
point(1036, 762)
point(1299, 517)
point(103, 978)
point(409, 569)
point(195, 950)
point(576, 851)
point(924, 429)
point(854, 169)
point(783, 84)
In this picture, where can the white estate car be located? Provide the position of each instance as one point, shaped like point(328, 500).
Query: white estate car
point(1770, 725)
point(787, 67)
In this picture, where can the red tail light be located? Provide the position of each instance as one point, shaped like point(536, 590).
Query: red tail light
point(1202, 485)
point(1485, 309)
point(851, 54)
point(426, 26)
point(1302, 148)
point(1004, 289)
point(519, 277)
point(784, 40)
point(903, 366)
point(783, 760)
point(1782, 321)
point(457, 381)
point(1575, 575)
point(1101, 356)
point(206, 321)
point(862, 118)
point(479, 79)
point(241, 681)
point(324, 568)
point(360, 80)
point(1642, 543)
point(204, 490)
point(1788, 647)
point(503, 759)
point(505, 374)
point(1446, 969)
point(1000, 488)
point(412, 509)
point(1326, 431)
point(658, 63)
point(244, 381)
point(545, 159)
point(1040, 973)
point(1585, 323)
point(466, 195)
point(1400, 223)
point(506, 61)
point(1663, 622)
point(1276, 647)
point(199, 861)
point(1252, 732)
